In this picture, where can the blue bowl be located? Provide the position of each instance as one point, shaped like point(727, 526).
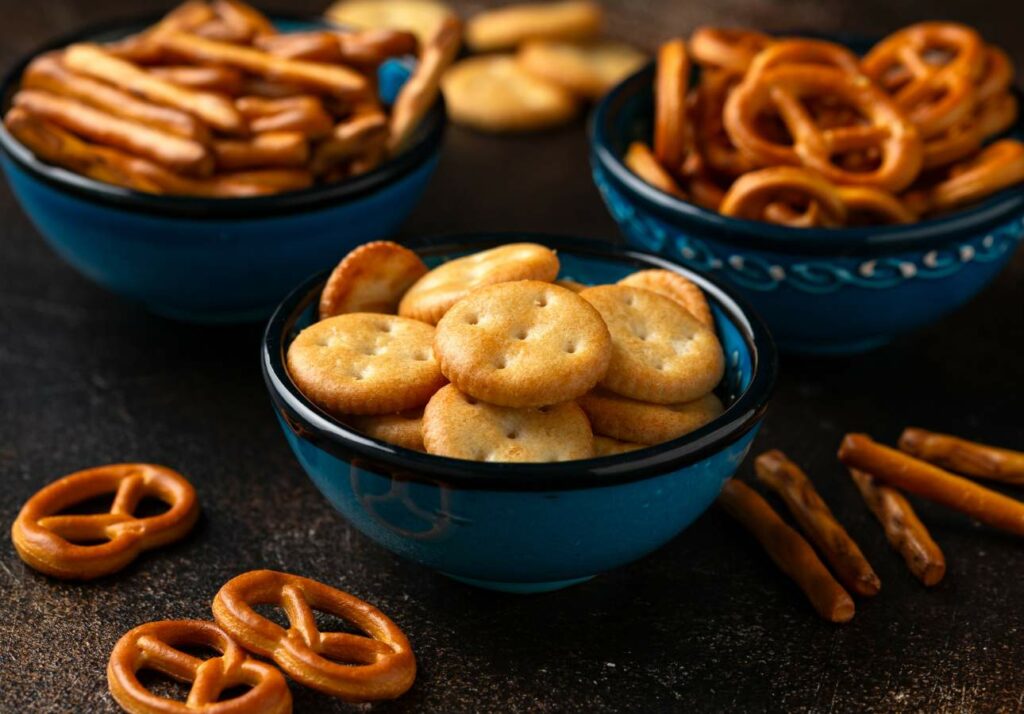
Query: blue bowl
point(527, 527)
point(820, 290)
point(214, 260)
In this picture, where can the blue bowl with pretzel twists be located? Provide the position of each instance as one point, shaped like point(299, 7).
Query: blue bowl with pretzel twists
point(821, 290)
point(215, 260)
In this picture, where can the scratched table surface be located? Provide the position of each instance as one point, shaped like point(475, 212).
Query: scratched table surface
point(706, 623)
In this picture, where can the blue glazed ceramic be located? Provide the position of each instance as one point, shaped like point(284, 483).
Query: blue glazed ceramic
point(819, 290)
point(527, 527)
point(215, 260)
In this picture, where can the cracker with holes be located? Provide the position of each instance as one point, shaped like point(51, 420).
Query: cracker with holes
point(523, 344)
point(644, 423)
point(660, 352)
point(372, 278)
point(431, 296)
point(404, 429)
point(363, 363)
point(675, 286)
point(459, 426)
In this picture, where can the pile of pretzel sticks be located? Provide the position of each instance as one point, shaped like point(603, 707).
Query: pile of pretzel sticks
point(922, 466)
point(213, 101)
point(803, 133)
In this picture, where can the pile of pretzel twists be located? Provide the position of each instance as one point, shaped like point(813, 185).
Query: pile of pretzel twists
point(213, 101)
point(803, 133)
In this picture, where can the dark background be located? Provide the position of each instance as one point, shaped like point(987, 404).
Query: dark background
point(706, 623)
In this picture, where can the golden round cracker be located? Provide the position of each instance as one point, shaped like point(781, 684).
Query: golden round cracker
point(363, 363)
point(404, 429)
point(420, 17)
point(523, 344)
point(506, 27)
point(431, 296)
point(607, 446)
point(676, 287)
point(459, 426)
point(660, 352)
point(494, 93)
point(372, 278)
point(589, 69)
point(644, 423)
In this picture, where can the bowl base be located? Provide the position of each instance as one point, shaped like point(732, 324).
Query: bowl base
point(810, 347)
point(520, 588)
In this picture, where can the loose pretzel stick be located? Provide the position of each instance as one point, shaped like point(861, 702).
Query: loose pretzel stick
point(670, 84)
point(205, 79)
point(921, 478)
point(46, 73)
point(215, 110)
point(641, 161)
point(903, 528)
point(420, 91)
point(784, 477)
point(273, 149)
point(332, 79)
point(176, 152)
point(789, 551)
point(966, 457)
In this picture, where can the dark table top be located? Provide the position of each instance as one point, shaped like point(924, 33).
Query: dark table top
point(705, 623)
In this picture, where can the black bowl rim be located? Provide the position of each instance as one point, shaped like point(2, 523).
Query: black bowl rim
point(757, 235)
point(315, 425)
point(425, 146)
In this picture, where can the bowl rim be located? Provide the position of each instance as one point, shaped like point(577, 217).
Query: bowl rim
point(758, 235)
point(424, 146)
point(313, 424)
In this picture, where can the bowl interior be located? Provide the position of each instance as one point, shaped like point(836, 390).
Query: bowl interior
point(750, 371)
point(391, 75)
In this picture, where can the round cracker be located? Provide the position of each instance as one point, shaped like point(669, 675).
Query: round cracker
point(660, 352)
point(420, 17)
point(494, 93)
point(607, 446)
point(372, 278)
point(589, 69)
point(404, 429)
point(363, 363)
point(459, 426)
point(644, 423)
point(431, 296)
point(505, 28)
point(523, 344)
point(676, 287)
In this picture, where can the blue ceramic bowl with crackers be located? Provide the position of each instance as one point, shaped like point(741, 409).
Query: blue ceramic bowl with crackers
point(216, 259)
point(526, 527)
point(821, 290)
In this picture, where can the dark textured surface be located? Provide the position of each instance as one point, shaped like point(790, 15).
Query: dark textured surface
point(706, 623)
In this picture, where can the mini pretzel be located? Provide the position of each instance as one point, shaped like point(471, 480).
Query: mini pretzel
point(155, 646)
point(670, 130)
point(870, 206)
point(966, 457)
point(784, 89)
point(936, 96)
point(996, 74)
point(996, 167)
point(804, 51)
point(752, 194)
point(353, 667)
point(716, 148)
point(47, 542)
point(730, 49)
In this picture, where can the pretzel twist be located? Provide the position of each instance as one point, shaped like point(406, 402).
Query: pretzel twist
point(154, 646)
point(784, 194)
point(729, 49)
point(47, 542)
point(670, 126)
point(996, 167)
point(353, 667)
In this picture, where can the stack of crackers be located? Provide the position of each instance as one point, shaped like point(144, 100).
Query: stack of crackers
point(490, 357)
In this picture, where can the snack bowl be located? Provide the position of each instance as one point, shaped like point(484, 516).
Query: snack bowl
point(527, 527)
point(214, 259)
point(821, 290)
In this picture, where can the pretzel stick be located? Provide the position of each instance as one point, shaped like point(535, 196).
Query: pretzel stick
point(966, 457)
point(371, 47)
point(784, 477)
point(215, 110)
point(144, 46)
point(921, 478)
point(304, 113)
point(349, 139)
point(422, 88)
point(641, 161)
point(46, 73)
point(244, 18)
point(315, 46)
point(176, 152)
point(789, 551)
point(332, 79)
point(270, 89)
point(903, 528)
point(205, 79)
point(282, 149)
